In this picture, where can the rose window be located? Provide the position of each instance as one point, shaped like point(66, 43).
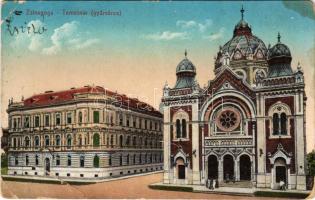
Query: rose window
point(228, 119)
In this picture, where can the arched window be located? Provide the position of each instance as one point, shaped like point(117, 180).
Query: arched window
point(57, 160)
point(36, 141)
point(80, 140)
point(110, 160)
point(127, 160)
point(69, 160)
point(120, 160)
point(69, 141)
point(96, 140)
point(14, 142)
point(146, 142)
point(184, 134)
point(112, 140)
point(275, 122)
point(140, 141)
point(178, 132)
point(81, 161)
point(27, 141)
point(120, 140)
point(57, 140)
point(36, 160)
point(128, 140)
point(134, 141)
point(16, 160)
point(283, 119)
point(96, 161)
point(96, 116)
point(46, 140)
point(26, 160)
point(80, 117)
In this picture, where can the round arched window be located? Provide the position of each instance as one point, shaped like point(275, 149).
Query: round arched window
point(228, 119)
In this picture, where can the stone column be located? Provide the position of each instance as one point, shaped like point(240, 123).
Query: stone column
point(289, 178)
point(300, 142)
point(236, 169)
point(167, 145)
point(195, 144)
point(261, 143)
point(220, 169)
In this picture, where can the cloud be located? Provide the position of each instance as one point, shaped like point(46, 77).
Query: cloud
point(34, 42)
point(167, 35)
point(194, 25)
point(68, 37)
point(304, 8)
point(215, 36)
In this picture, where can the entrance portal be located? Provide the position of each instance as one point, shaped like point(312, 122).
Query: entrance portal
point(47, 166)
point(181, 171)
point(228, 167)
point(180, 168)
point(212, 167)
point(245, 168)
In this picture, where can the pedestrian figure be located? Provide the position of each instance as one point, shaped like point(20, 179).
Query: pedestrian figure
point(227, 177)
point(209, 183)
point(282, 185)
point(214, 184)
point(207, 186)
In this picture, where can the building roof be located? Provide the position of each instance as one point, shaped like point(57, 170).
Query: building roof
point(243, 44)
point(186, 72)
point(279, 60)
point(51, 98)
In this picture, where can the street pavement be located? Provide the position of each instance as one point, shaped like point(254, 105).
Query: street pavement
point(130, 188)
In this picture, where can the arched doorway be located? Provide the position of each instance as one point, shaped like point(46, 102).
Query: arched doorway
point(245, 168)
point(180, 165)
point(47, 166)
point(212, 167)
point(280, 170)
point(228, 167)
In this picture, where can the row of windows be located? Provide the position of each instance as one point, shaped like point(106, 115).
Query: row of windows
point(130, 121)
point(130, 159)
point(127, 141)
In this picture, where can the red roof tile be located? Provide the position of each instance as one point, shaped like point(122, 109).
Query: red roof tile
point(50, 97)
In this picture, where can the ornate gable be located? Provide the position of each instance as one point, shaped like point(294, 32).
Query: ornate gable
point(229, 80)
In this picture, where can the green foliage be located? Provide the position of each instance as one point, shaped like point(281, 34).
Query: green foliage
point(4, 163)
point(280, 194)
point(311, 163)
point(171, 188)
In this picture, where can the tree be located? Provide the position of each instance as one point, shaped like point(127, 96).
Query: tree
point(4, 163)
point(311, 163)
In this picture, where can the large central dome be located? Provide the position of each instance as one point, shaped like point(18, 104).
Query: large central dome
point(243, 46)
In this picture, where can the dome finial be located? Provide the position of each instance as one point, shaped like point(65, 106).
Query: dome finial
point(242, 12)
point(185, 53)
point(279, 37)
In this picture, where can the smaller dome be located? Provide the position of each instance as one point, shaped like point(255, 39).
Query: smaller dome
point(185, 66)
point(279, 60)
point(185, 72)
point(279, 50)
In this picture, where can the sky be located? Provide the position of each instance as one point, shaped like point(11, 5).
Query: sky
point(137, 51)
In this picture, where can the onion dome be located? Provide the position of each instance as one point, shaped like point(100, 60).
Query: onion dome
point(185, 72)
point(279, 60)
point(244, 45)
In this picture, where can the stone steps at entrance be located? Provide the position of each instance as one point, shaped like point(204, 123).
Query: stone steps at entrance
point(237, 184)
